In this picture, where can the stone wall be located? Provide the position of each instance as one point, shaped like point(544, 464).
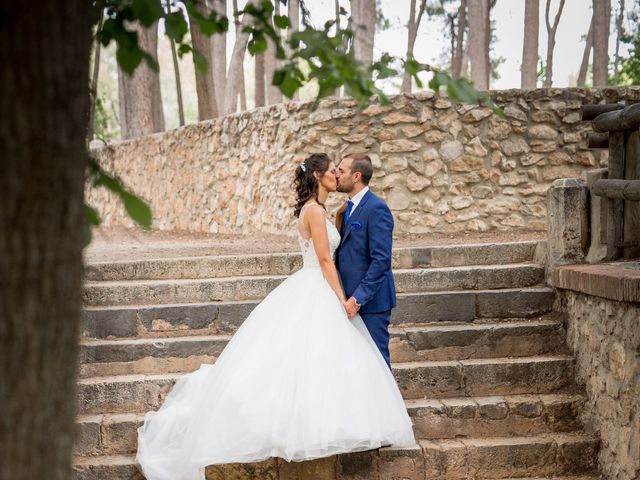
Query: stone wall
point(605, 338)
point(441, 167)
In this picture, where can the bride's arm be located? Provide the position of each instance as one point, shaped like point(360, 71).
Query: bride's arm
point(316, 220)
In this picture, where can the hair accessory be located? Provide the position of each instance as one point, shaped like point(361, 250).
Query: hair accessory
point(303, 167)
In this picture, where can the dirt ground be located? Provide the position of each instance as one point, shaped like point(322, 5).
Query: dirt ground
point(113, 244)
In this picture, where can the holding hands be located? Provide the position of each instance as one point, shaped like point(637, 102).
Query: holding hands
point(351, 306)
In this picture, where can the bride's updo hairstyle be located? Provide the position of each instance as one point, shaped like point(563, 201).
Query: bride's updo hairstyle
point(306, 184)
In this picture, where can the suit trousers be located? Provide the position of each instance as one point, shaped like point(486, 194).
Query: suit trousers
point(378, 326)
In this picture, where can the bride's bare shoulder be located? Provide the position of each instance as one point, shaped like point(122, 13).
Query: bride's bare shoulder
point(315, 214)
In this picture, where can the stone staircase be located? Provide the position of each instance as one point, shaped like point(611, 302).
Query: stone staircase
point(477, 352)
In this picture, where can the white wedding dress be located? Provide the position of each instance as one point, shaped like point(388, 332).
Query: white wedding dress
point(298, 380)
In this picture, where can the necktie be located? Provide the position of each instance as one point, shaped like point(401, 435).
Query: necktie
point(347, 212)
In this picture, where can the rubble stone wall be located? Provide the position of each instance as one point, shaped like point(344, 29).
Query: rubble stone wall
point(442, 167)
point(605, 338)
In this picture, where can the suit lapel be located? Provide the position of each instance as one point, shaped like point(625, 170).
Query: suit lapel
point(354, 215)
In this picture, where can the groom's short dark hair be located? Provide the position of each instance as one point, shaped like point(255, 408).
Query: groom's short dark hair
point(362, 163)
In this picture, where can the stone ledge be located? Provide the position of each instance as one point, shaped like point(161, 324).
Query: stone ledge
point(615, 281)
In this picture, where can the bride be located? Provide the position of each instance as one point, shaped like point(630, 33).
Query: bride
point(298, 380)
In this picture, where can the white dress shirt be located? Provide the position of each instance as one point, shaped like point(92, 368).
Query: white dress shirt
point(358, 198)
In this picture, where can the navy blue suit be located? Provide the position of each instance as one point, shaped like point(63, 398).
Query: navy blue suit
point(363, 260)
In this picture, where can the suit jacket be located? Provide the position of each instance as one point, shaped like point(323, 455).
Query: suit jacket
point(363, 258)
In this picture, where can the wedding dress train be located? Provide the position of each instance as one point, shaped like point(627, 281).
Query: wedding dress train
point(298, 380)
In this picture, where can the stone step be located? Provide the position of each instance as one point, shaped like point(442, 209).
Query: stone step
point(443, 342)
point(593, 476)
point(505, 415)
point(547, 456)
point(103, 467)
point(210, 318)
point(132, 292)
point(287, 263)
point(504, 457)
point(475, 377)
point(429, 342)
point(115, 434)
point(442, 379)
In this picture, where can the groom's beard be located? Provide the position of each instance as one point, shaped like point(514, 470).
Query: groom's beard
point(343, 189)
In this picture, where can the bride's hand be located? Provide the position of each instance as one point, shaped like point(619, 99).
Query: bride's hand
point(344, 305)
point(351, 307)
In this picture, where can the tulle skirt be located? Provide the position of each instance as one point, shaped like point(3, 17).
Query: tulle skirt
point(298, 380)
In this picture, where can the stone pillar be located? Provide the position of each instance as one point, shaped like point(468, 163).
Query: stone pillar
point(567, 223)
point(598, 219)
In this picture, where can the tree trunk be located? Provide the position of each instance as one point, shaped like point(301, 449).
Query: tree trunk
point(478, 43)
point(271, 64)
point(619, 33)
point(294, 20)
point(338, 91)
point(487, 50)
point(294, 15)
point(529, 69)
point(551, 40)
point(259, 80)
point(236, 70)
point(176, 71)
point(601, 19)
point(363, 13)
point(94, 82)
point(411, 36)
point(414, 25)
point(584, 66)
point(456, 64)
point(451, 20)
point(140, 97)
point(205, 84)
point(44, 104)
point(219, 57)
point(274, 95)
point(242, 92)
point(465, 60)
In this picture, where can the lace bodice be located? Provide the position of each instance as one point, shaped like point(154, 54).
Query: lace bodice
point(309, 257)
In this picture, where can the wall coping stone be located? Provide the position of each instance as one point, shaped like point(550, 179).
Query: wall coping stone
point(618, 281)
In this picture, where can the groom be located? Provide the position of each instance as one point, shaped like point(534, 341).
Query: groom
point(364, 255)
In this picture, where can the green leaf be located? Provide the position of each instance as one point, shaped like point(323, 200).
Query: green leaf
point(147, 12)
point(138, 209)
point(176, 26)
point(210, 24)
point(282, 21)
point(92, 219)
point(289, 86)
point(278, 77)
point(151, 61)
point(183, 49)
point(128, 58)
point(382, 67)
point(91, 215)
point(108, 31)
point(267, 7)
point(257, 44)
point(200, 62)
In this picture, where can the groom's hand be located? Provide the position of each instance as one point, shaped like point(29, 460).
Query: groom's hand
point(351, 307)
